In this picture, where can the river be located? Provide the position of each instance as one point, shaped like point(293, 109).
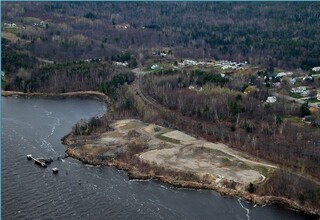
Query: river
point(35, 126)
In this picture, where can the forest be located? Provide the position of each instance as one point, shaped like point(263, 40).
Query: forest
point(282, 34)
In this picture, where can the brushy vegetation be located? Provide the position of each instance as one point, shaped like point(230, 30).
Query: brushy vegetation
point(87, 127)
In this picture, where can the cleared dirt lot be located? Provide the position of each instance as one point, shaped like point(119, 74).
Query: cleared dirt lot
point(176, 150)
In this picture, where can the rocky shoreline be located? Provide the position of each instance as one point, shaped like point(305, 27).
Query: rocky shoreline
point(134, 173)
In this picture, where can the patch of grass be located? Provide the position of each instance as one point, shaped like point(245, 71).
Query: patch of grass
point(245, 70)
point(296, 95)
point(313, 100)
point(167, 139)
point(278, 70)
point(9, 36)
point(129, 125)
point(243, 166)
point(31, 20)
point(226, 162)
point(214, 152)
point(298, 121)
point(89, 149)
point(147, 69)
point(3, 83)
point(263, 170)
point(293, 119)
point(157, 71)
point(115, 134)
point(13, 30)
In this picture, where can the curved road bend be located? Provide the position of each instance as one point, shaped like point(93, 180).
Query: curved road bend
point(301, 101)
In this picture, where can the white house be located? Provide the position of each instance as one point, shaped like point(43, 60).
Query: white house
point(10, 25)
point(299, 89)
point(307, 78)
point(316, 69)
point(305, 93)
point(271, 99)
point(282, 74)
point(155, 67)
point(202, 63)
point(43, 23)
point(121, 64)
point(226, 67)
point(190, 62)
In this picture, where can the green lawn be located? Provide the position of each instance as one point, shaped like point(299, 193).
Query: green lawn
point(296, 95)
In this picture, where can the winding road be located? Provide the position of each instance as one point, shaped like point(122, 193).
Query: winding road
point(301, 101)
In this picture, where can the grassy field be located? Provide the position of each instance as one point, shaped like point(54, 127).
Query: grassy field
point(294, 119)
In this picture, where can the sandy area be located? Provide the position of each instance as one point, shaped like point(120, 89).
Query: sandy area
point(178, 135)
point(186, 158)
point(189, 154)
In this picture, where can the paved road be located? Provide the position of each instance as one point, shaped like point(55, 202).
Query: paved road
point(301, 101)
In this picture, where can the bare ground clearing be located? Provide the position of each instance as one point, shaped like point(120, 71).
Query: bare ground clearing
point(187, 154)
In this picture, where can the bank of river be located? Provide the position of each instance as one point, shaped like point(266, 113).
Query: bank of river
point(79, 191)
point(79, 94)
point(105, 149)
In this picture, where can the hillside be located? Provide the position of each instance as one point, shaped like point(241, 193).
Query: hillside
point(282, 34)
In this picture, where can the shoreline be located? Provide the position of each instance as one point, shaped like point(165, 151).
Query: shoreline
point(79, 94)
point(134, 173)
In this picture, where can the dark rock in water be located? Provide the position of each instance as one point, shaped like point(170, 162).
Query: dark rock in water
point(55, 170)
point(46, 161)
